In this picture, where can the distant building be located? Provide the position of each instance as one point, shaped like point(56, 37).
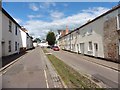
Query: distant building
point(27, 40)
point(61, 33)
point(99, 37)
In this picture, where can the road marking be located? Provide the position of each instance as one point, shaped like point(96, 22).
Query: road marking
point(46, 79)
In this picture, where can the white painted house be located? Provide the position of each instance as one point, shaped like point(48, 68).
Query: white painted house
point(10, 35)
point(99, 37)
point(0, 33)
point(26, 40)
point(14, 37)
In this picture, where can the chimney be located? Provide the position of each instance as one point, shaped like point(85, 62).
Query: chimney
point(67, 31)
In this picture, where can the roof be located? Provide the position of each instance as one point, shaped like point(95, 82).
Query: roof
point(24, 30)
point(3, 10)
point(113, 9)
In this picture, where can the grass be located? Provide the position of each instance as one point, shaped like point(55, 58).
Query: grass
point(72, 78)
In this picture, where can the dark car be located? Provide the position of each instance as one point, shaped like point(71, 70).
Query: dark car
point(56, 48)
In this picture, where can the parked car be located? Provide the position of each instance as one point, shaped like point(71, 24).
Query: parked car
point(56, 48)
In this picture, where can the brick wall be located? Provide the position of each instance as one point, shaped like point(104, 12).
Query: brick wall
point(111, 37)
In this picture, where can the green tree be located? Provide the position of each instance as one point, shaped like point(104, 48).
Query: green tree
point(37, 40)
point(51, 38)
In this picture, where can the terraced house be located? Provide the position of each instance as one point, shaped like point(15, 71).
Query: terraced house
point(0, 32)
point(99, 37)
point(12, 38)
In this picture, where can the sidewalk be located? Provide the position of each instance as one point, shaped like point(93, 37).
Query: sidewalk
point(112, 65)
point(108, 64)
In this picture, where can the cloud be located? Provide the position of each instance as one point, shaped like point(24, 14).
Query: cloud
point(47, 5)
point(40, 28)
point(34, 16)
point(33, 6)
point(65, 5)
point(56, 15)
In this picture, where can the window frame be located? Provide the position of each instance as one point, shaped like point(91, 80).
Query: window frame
point(90, 46)
point(9, 46)
point(118, 22)
point(10, 26)
point(16, 29)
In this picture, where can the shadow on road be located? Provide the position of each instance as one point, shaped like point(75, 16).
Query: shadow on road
point(6, 60)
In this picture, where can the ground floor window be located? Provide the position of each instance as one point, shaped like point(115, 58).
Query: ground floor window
point(9, 46)
point(90, 46)
point(15, 46)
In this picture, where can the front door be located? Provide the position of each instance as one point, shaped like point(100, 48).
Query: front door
point(96, 49)
point(82, 48)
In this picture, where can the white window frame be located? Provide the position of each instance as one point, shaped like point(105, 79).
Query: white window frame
point(118, 22)
point(90, 46)
point(119, 46)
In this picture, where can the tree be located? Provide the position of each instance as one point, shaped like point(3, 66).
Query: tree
point(51, 38)
point(37, 40)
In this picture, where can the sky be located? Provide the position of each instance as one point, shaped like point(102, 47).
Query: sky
point(41, 17)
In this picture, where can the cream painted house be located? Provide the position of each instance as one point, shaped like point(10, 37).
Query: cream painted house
point(99, 37)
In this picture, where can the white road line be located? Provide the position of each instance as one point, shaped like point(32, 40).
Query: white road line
point(46, 79)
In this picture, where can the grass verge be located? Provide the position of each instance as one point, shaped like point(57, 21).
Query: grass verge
point(72, 78)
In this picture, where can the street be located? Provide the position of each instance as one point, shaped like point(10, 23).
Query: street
point(32, 70)
point(108, 76)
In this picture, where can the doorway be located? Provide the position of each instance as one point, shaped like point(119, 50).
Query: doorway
point(96, 49)
point(82, 48)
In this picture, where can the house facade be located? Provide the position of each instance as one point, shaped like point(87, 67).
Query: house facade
point(14, 38)
point(26, 40)
point(0, 32)
point(99, 37)
point(10, 35)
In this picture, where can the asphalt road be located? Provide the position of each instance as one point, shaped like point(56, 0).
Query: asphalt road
point(32, 70)
point(108, 76)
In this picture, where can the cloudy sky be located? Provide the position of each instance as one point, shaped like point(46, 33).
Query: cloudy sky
point(41, 17)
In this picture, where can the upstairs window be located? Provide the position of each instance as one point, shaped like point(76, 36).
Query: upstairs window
point(118, 22)
point(16, 30)
point(10, 26)
point(89, 31)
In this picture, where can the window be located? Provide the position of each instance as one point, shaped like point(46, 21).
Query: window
point(90, 31)
point(118, 22)
point(16, 30)
point(119, 46)
point(10, 26)
point(90, 46)
point(9, 46)
point(15, 46)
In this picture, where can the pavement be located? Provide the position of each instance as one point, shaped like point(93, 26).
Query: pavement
point(105, 63)
point(32, 70)
point(104, 71)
